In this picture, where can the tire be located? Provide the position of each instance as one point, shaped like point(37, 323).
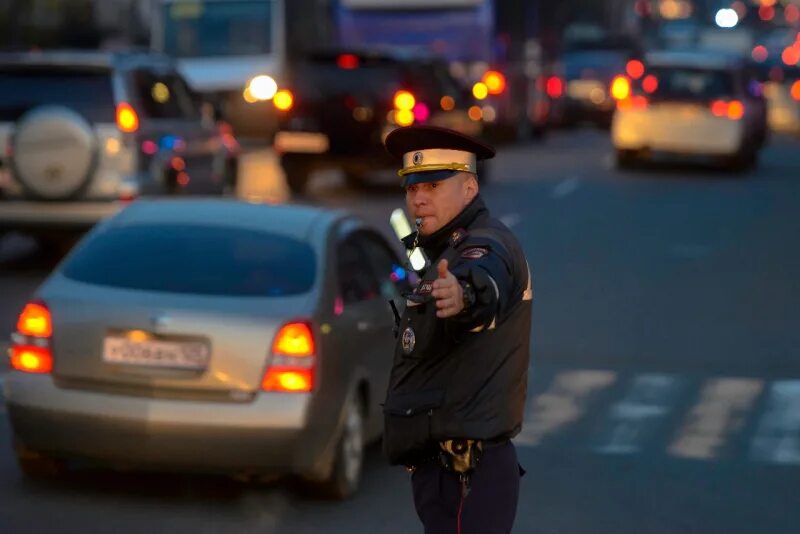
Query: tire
point(349, 459)
point(625, 159)
point(297, 175)
point(37, 465)
point(55, 153)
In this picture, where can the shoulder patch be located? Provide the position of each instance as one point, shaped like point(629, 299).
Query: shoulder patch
point(473, 253)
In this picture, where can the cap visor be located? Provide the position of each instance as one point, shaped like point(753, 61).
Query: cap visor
point(427, 177)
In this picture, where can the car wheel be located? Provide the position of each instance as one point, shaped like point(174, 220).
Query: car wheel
point(349, 459)
point(37, 465)
point(297, 175)
point(625, 159)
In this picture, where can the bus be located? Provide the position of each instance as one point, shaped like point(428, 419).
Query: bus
point(233, 52)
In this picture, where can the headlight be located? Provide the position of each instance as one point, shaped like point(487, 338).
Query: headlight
point(260, 88)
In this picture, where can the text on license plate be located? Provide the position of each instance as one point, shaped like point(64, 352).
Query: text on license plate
point(156, 353)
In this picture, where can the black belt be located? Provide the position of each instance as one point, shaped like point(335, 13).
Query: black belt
point(432, 454)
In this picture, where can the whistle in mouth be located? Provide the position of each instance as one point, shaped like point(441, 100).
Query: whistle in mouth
point(402, 229)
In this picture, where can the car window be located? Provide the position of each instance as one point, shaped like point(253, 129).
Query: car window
point(203, 260)
point(357, 282)
point(324, 77)
point(692, 83)
point(163, 96)
point(391, 275)
point(86, 91)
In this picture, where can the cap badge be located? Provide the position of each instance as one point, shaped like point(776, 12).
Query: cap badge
point(417, 159)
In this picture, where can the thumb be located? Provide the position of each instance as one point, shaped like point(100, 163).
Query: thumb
point(443, 269)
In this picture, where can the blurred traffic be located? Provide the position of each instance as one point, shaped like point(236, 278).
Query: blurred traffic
point(207, 183)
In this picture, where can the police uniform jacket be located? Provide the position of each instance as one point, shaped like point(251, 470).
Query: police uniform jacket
point(464, 376)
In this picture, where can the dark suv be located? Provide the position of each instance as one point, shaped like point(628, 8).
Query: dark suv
point(339, 106)
point(83, 132)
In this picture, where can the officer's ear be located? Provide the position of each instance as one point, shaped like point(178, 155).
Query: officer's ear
point(470, 186)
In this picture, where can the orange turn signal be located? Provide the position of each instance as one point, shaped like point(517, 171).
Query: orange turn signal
point(294, 339)
point(127, 119)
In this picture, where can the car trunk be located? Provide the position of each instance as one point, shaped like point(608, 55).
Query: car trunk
point(163, 345)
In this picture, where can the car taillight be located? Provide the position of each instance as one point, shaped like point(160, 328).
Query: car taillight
point(495, 82)
point(795, 92)
point(404, 103)
point(554, 87)
point(635, 69)
point(293, 360)
point(347, 61)
point(127, 119)
point(620, 88)
point(30, 350)
point(35, 320)
point(283, 100)
point(636, 102)
point(31, 359)
point(733, 110)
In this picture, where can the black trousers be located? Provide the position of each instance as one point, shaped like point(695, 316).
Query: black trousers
point(488, 508)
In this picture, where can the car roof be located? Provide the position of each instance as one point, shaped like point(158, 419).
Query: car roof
point(694, 59)
point(290, 220)
point(86, 58)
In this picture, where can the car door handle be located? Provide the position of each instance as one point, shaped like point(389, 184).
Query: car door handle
point(363, 326)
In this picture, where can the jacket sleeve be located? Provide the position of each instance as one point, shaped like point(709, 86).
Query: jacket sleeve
point(486, 269)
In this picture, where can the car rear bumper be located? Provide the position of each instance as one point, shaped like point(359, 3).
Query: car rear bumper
point(33, 215)
point(268, 435)
point(703, 134)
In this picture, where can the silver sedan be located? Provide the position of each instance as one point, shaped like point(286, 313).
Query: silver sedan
point(213, 336)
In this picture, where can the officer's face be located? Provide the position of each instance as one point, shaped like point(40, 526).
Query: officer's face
point(437, 203)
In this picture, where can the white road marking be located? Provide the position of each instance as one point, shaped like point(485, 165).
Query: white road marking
point(563, 403)
point(777, 438)
point(566, 187)
point(510, 219)
point(721, 411)
point(633, 419)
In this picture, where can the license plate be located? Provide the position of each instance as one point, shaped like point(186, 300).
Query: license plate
point(306, 142)
point(193, 355)
point(582, 89)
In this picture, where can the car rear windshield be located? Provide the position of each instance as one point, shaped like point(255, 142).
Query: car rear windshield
point(200, 260)
point(86, 91)
point(317, 78)
point(691, 83)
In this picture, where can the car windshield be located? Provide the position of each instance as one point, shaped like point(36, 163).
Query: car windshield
point(194, 259)
point(86, 91)
point(217, 27)
point(692, 83)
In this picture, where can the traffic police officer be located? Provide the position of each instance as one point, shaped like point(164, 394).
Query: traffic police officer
point(457, 388)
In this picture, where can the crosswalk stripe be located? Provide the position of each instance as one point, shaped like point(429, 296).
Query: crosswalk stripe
point(721, 411)
point(777, 437)
point(563, 403)
point(633, 419)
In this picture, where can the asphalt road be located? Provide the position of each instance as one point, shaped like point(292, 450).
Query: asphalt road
point(665, 384)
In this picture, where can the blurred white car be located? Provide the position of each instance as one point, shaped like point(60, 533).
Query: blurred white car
point(689, 104)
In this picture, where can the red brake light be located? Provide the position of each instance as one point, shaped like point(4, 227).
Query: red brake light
point(733, 110)
point(127, 119)
point(555, 87)
point(650, 84)
point(347, 61)
point(35, 320)
point(31, 359)
point(288, 379)
point(283, 100)
point(796, 90)
point(635, 69)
